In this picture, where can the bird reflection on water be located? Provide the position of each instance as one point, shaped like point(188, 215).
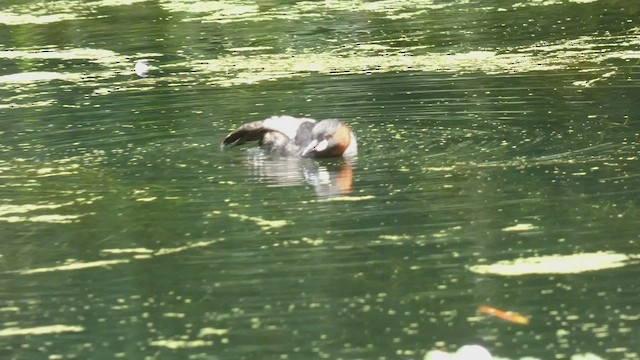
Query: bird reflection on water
point(329, 178)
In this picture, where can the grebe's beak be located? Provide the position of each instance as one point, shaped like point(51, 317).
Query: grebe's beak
point(315, 147)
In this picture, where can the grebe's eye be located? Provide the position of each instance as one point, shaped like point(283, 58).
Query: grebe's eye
point(327, 137)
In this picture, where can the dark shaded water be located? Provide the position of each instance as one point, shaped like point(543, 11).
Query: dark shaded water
point(498, 166)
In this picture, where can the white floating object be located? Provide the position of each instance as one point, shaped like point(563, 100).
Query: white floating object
point(466, 352)
point(142, 68)
point(473, 352)
point(439, 355)
point(587, 356)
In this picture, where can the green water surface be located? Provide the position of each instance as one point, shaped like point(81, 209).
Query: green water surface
point(498, 166)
